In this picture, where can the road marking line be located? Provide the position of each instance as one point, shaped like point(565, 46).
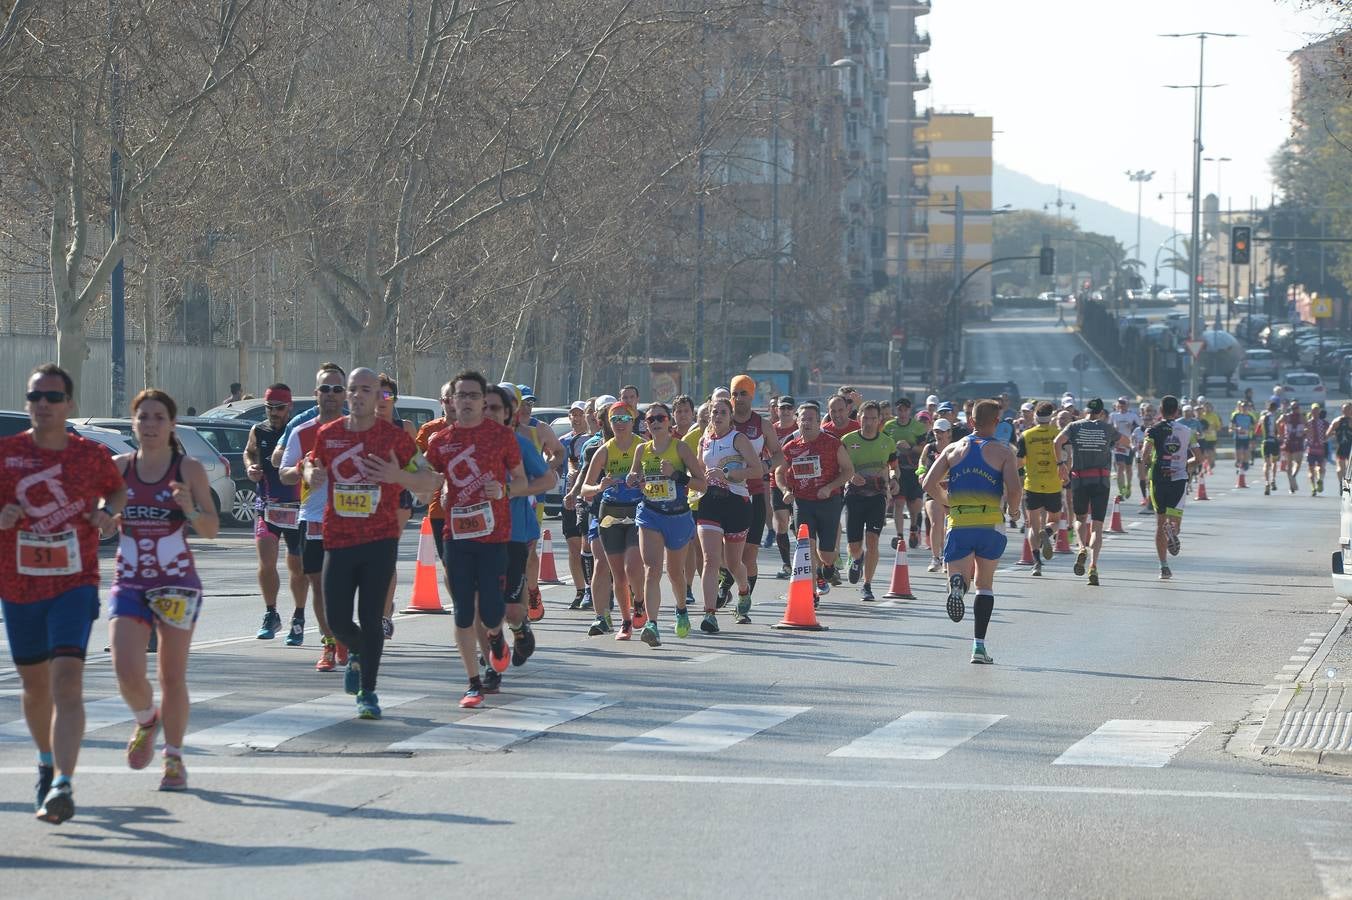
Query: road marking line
point(1148, 743)
point(704, 657)
point(1319, 634)
point(713, 729)
point(1295, 668)
point(496, 728)
point(919, 735)
point(1313, 640)
point(268, 730)
point(98, 714)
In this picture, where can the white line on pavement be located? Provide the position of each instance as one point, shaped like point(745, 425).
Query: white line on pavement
point(496, 728)
point(704, 658)
point(98, 714)
point(1147, 743)
point(919, 735)
point(712, 729)
point(268, 730)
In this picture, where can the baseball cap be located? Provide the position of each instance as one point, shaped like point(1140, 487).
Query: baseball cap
point(526, 392)
point(1123, 400)
point(945, 407)
point(786, 400)
point(1201, 399)
point(578, 404)
point(931, 399)
point(1027, 407)
point(1095, 405)
point(942, 425)
point(511, 389)
point(1067, 403)
point(924, 416)
point(605, 400)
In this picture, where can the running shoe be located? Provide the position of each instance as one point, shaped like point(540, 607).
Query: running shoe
point(769, 540)
point(725, 583)
point(710, 623)
point(856, 570)
point(368, 706)
point(141, 747)
point(1267, 490)
point(473, 699)
point(957, 587)
point(743, 612)
point(387, 627)
point(867, 593)
point(271, 622)
point(823, 586)
point(1037, 566)
point(600, 626)
point(339, 654)
point(326, 661)
point(45, 776)
point(1165, 574)
point(352, 675)
point(1093, 576)
point(58, 805)
point(577, 600)
point(295, 637)
point(1171, 539)
point(934, 564)
point(535, 605)
point(650, 635)
point(1048, 548)
point(626, 630)
point(682, 623)
point(640, 614)
point(523, 645)
point(914, 540)
point(498, 654)
point(491, 681)
point(833, 576)
point(1079, 560)
point(980, 657)
point(586, 599)
point(784, 572)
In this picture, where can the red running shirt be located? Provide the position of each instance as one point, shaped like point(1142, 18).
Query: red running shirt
point(359, 509)
point(470, 458)
point(56, 488)
point(829, 427)
point(812, 465)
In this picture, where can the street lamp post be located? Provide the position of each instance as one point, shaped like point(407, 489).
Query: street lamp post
point(1221, 264)
point(1140, 176)
point(959, 212)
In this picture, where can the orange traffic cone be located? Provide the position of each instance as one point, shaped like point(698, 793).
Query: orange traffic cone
point(1115, 526)
point(426, 595)
point(1240, 482)
point(549, 574)
point(799, 614)
point(900, 588)
point(1027, 558)
point(1062, 538)
point(1201, 488)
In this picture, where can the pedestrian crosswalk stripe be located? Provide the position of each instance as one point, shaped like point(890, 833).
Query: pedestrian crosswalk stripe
point(496, 728)
point(98, 714)
point(712, 729)
point(1147, 743)
point(919, 735)
point(271, 729)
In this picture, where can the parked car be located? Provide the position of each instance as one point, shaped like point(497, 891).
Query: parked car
point(1258, 364)
point(1304, 387)
point(230, 437)
point(1247, 328)
point(418, 410)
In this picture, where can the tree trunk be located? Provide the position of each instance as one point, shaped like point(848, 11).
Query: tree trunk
point(150, 304)
point(72, 349)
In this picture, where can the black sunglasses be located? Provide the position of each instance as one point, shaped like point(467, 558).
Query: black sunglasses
point(656, 417)
point(276, 405)
point(49, 396)
point(332, 389)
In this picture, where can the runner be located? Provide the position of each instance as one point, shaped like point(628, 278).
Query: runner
point(724, 516)
point(664, 467)
point(838, 422)
point(1316, 447)
point(1291, 429)
point(936, 512)
point(574, 517)
point(1340, 429)
point(51, 485)
point(867, 494)
point(1211, 433)
point(618, 528)
point(816, 467)
point(594, 560)
point(477, 456)
point(1170, 451)
point(386, 398)
point(908, 433)
point(785, 425)
point(1126, 420)
point(1269, 427)
point(330, 393)
point(278, 513)
point(156, 585)
point(362, 462)
point(542, 436)
point(1041, 483)
point(1138, 446)
point(1242, 422)
point(694, 559)
point(765, 443)
point(435, 512)
point(977, 471)
point(1092, 441)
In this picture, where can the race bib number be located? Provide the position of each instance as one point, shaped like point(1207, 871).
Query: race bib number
point(282, 515)
point(48, 554)
point(355, 501)
point(806, 468)
point(469, 522)
point(658, 488)
point(314, 531)
point(175, 606)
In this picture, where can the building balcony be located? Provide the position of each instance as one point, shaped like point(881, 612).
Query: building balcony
point(919, 153)
point(919, 42)
point(915, 7)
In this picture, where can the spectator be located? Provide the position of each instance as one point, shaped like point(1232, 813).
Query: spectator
point(236, 392)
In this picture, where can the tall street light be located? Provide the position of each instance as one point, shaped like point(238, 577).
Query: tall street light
point(1140, 176)
point(1220, 162)
point(1194, 317)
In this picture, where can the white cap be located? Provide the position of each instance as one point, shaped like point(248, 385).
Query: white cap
point(578, 404)
point(1201, 399)
point(605, 400)
point(942, 425)
point(1067, 403)
point(931, 399)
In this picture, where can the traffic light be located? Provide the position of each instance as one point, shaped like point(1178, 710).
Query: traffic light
point(1239, 244)
point(1046, 261)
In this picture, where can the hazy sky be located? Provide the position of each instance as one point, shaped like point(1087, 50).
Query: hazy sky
point(1075, 87)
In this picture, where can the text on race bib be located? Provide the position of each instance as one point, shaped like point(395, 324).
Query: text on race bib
point(282, 515)
point(469, 522)
point(659, 488)
point(48, 554)
point(174, 606)
point(355, 501)
point(805, 468)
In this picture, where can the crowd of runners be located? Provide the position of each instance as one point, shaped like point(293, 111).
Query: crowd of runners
point(659, 499)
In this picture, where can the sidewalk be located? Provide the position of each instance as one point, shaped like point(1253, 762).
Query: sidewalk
point(1310, 721)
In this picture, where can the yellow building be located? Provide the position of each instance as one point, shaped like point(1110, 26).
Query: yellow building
point(959, 158)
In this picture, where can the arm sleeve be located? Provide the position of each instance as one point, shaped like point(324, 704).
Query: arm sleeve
point(291, 450)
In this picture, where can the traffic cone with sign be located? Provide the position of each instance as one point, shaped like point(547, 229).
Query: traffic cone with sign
point(1201, 487)
point(800, 614)
point(426, 594)
point(549, 573)
point(900, 588)
point(1115, 526)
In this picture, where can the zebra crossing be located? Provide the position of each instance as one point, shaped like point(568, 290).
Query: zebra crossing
point(914, 735)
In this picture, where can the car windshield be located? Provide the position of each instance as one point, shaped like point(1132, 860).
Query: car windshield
point(1302, 379)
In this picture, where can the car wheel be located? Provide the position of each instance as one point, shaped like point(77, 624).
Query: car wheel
point(242, 511)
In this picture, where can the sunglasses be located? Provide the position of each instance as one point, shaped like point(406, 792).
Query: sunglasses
point(332, 389)
point(276, 405)
point(621, 419)
point(49, 396)
point(388, 395)
point(656, 418)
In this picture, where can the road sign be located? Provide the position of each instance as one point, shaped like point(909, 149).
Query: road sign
point(1080, 362)
point(1321, 307)
point(1195, 348)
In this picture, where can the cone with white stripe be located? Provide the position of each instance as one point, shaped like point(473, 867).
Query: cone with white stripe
point(900, 588)
point(549, 573)
point(800, 613)
point(1115, 526)
point(426, 592)
point(1062, 538)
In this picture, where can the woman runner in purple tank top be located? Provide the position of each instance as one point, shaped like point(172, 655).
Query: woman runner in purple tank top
point(156, 583)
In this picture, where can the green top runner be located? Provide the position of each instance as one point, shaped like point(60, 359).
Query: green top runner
point(872, 459)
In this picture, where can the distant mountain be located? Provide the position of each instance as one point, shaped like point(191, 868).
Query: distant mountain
point(1024, 192)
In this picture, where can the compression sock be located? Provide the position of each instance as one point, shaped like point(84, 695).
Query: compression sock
point(45, 758)
point(750, 584)
point(983, 607)
point(588, 566)
point(60, 780)
point(782, 541)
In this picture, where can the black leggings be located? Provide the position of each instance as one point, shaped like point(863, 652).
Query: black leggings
point(364, 572)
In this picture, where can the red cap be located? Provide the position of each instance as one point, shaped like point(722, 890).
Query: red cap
point(277, 395)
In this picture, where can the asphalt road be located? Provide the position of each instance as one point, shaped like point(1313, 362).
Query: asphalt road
point(1102, 755)
point(1029, 348)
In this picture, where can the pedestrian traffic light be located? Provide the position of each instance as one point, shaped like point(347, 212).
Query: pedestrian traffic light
point(1240, 236)
point(1046, 261)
